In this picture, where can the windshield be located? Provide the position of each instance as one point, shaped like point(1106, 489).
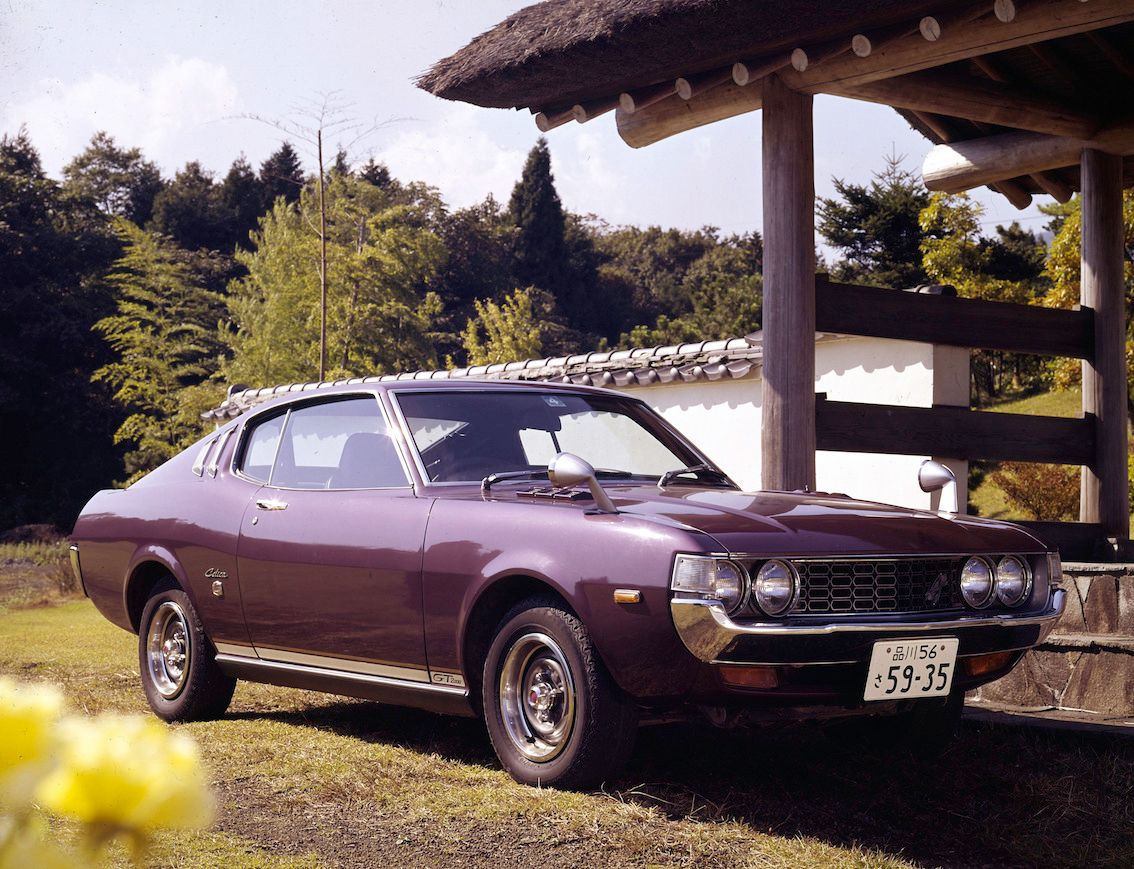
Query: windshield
point(465, 436)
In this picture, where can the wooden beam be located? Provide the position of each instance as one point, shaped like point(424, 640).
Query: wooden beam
point(591, 109)
point(672, 114)
point(1054, 186)
point(963, 165)
point(952, 432)
point(547, 121)
point(643, 98)
point(852, 309)
point(695, 85)
point(1035, 21)
point(1121, 63)
point(942, 128)
point(788, 410)
point(1076, 541)
point(745, 72)
point(974, 99)
point(1105, 487)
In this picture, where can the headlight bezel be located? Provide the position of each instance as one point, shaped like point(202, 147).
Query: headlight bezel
point(1026, 572)
point(754, 592)
point(990, 595)
point(699, 576)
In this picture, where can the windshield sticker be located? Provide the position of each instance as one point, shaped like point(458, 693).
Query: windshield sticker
point(552, 401)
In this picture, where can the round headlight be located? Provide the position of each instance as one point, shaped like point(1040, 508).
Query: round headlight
point(1012, 580)
point(976, 582)
point(776, 587)
point(729, 585)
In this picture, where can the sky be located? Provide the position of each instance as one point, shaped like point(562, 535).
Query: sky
point(179, 80)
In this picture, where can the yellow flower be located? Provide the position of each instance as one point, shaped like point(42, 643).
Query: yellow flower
point(27, 845)
point(129, 774)
point(28, 717)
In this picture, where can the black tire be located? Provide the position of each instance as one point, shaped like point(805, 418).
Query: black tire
point(542, 651)
point(177, 661)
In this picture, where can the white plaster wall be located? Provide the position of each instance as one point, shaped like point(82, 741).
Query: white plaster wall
point(723, 417)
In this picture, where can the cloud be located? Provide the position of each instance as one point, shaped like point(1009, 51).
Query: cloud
point(455, 153)
point(155, 113)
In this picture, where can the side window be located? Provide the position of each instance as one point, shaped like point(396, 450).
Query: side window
point(260, 448)
point(338, 445)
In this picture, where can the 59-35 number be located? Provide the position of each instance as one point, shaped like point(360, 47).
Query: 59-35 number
point(935, 673)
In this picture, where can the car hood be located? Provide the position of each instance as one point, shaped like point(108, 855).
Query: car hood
point(791, 523)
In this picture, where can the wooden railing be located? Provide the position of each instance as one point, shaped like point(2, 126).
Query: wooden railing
point(957, 432)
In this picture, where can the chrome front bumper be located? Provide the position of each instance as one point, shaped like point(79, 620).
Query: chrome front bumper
point(710, 634)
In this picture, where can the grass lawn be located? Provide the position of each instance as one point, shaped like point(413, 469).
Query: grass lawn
point(306, 779)
point(989, 498)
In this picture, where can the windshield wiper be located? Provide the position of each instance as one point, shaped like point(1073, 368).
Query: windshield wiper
point(671, 476)
point(612, 474)
point(488, 482)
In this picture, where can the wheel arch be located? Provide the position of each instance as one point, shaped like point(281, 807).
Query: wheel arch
point(148, 568)
point(489, 608)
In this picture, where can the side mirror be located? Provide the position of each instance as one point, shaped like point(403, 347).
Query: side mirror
point(567, 469)
point(932, 476)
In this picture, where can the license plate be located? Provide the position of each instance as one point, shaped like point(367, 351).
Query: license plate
point(911, 668)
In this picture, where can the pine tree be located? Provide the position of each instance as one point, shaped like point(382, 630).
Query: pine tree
point(876, 227)
point(164, 337)
point(282, 175)
point(375, 173)
point(242, 196)
point(190, 210)
point(535, 210)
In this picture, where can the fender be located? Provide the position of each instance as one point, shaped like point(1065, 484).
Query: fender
point(156, 554)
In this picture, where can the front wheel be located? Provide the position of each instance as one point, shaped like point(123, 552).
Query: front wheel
point(179, 672)
point(554, 715)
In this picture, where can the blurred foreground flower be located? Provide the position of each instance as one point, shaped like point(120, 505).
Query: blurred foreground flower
point(29, 716)
point(123, 774)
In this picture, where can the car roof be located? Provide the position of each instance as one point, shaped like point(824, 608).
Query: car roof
point(395, 386)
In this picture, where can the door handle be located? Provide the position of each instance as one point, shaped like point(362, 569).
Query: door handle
point(271, 504)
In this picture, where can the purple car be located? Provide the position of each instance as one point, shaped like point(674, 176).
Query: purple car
point(555, 559)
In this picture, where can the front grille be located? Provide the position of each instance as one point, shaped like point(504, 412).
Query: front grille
point(899, 585)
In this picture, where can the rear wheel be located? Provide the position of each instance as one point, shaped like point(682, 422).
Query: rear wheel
point(180, 674)
point(554, 715)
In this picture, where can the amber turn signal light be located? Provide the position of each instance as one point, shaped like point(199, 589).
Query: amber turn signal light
point(979, 665)
point(749, 677)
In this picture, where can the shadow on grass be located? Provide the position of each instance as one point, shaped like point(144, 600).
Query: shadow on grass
point(998, 796)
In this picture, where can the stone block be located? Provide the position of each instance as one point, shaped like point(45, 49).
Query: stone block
point(1037, 681)
point(1100, 606)
point(1126, 605)
point(1102, 682)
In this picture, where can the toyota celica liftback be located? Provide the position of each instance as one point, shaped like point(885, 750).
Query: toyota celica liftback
point(557, 560)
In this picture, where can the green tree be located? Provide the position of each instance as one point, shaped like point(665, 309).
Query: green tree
point(510, 329)
point(191, 211)
point(242, 198)
point(166, 346)
point(381, 259)
point(876, 227)
point(1063, 270)
point(56, 428)
point(997, 269)
point(281, 175)
point(117, 180)
point(537, 214)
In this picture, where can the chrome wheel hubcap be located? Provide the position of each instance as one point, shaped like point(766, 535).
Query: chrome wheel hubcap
point(537, 697)
point(168, 649)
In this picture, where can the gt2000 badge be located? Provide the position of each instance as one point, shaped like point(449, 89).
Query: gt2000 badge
point(448, 679)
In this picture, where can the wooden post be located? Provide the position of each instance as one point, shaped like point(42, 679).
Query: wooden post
point(788, 438)
point(1104, 490)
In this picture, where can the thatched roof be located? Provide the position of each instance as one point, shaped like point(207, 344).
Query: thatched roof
point(564, 51)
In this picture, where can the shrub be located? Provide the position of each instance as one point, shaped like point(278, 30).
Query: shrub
point(1045, 492)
